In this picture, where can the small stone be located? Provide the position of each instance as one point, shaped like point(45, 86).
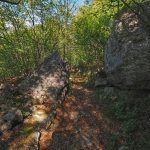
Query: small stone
point(13, 115)
point(36, 135)
point(2, 86)
point(100, 82)
point(5, 126)
point(123, 148)
point(12, 118)
point(109, 90)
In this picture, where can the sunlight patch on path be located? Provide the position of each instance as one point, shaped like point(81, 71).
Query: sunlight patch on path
point(39, 116)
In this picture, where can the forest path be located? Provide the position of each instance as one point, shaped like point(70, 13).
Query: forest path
point(79, 125)
point(79, 122)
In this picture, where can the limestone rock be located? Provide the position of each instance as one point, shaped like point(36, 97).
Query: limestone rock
point(100, 82)
point(127, 53)
point(1, 86)
point(100, 79)
point(11, 119)
point(49, 82)
point(123, 148)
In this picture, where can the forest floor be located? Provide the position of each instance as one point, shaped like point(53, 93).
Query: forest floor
point(79, 125)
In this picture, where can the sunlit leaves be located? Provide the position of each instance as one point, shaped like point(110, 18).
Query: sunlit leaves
point(92, 27)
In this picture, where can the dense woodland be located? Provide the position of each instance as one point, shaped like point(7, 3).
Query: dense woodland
point(31, 30)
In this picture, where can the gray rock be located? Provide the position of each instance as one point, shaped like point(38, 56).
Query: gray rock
point(123, 148)
point(2, 86)
point(14, 115)
point(49, 82)
point(11, 119)
point(109, 90)
point(127, 53)
point(100, 78)
point(101, 82)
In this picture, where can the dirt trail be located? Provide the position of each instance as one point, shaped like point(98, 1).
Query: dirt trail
point(78, 122)
point(79, 125)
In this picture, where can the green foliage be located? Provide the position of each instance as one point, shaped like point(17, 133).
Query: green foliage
point(130, 109)
point(28, 33)
point(27, 130)
point(92, 27)
point(32, 30)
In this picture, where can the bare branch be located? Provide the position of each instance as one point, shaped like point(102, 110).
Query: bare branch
point(10, 2)
point(142, 17)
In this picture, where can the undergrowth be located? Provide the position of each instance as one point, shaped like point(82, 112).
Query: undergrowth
point(130, 109)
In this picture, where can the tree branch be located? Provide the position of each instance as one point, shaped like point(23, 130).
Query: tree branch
point(142, 17)
point(10, 2)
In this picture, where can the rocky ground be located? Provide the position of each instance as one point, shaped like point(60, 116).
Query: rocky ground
point(83, 123)
point(77, 124)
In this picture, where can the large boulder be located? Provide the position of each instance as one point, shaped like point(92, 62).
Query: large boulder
point(49, 82)
point(127, 53)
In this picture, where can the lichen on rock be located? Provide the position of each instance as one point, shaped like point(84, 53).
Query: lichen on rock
point(48, 82)
point(127, 53)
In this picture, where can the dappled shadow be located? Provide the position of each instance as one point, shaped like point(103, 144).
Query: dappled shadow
point(47, 86)
point(23, 136)
point(79, 124)
point(48, 81)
